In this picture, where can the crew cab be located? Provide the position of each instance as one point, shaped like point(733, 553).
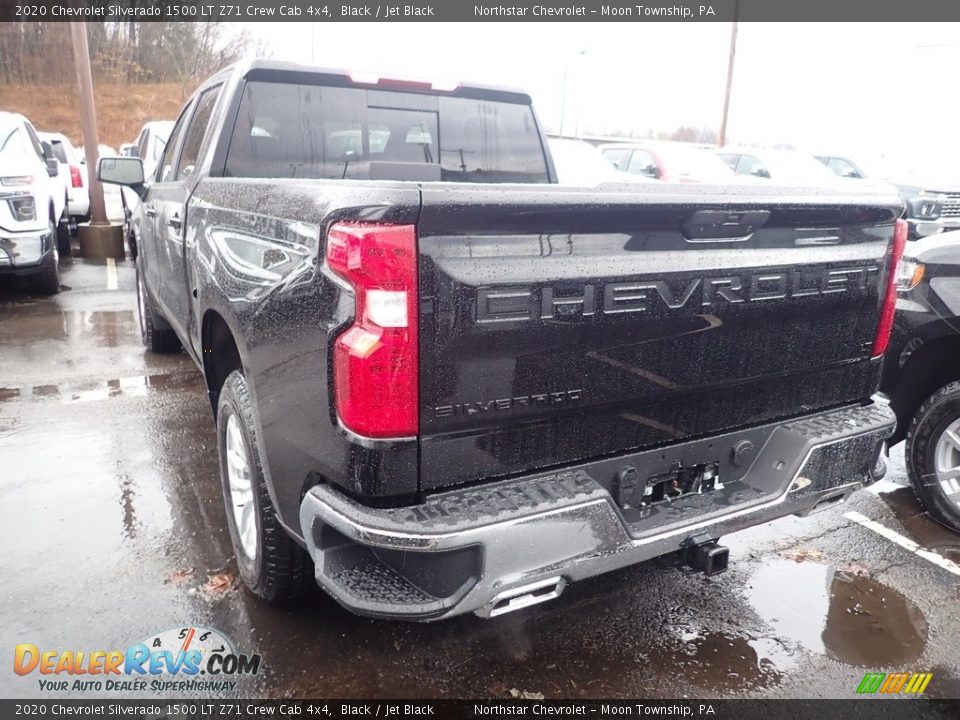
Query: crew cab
point(33, 205)
point(455, 385)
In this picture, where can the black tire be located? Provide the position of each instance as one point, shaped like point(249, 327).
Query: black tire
point(132, 244)
point(928, 426)
point(63, 239)
point(47, 281)
point(155, 334)
point(63, 234)
point(278, 568)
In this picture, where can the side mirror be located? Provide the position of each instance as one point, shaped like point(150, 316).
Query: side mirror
point(760, 171)
point(129, 150)
point(850, 173)
point(121, 171)
point(650, 170)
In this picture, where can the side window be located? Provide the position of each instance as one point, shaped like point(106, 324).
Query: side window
point(642, 163)
point(158, 146)
point(34, 140)
point(750, 165)
point(843, 168)
point(142, 144)
point(618, 156)
point(193, 141)
point(59, 151)
point(730, 160)
point(165, 167)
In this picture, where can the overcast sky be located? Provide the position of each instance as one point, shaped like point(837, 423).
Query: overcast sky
point(868, 88)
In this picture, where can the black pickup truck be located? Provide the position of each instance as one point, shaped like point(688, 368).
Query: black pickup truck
point(455, 385)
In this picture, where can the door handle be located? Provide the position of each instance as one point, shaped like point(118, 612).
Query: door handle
point(149, 210)
point(174, 222)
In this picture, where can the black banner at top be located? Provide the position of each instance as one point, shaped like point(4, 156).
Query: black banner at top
point(299, 709)
point(481, 10)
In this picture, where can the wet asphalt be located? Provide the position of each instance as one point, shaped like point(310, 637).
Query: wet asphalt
point(114, 530)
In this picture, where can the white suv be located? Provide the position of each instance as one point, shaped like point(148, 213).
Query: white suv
point(33, 205)
point(73, 175)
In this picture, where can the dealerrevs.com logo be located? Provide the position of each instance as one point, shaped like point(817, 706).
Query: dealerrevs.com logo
point(186, 659)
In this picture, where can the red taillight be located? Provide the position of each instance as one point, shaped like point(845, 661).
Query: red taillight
point(375, 362)
point(75, 179)
point(882, 338)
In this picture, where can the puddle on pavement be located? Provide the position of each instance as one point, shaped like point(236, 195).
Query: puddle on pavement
point(718, 662)
point(850, 617)
point(132, 386)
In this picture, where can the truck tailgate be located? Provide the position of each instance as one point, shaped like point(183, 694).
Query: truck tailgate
point(569, 325)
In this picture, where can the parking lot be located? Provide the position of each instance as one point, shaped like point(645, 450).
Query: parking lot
point(111, 495)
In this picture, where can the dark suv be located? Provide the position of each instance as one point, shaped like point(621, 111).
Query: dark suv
point(922, 372)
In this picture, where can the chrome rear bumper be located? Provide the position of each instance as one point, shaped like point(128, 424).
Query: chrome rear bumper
point(506, 545)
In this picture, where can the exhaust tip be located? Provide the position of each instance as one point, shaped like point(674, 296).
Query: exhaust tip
point(524, 596)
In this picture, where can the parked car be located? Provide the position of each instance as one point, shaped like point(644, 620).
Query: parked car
point(73, 174)
point(455, 386)
point(151, 142)
point(149, 147)
point(668, 161)
point(114, 200)
point(932, 205)
point(782, 166)
point(580, 163)
point(33, 205)
point(921, 373)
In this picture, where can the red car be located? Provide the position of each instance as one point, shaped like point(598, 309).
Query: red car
point(669, 161)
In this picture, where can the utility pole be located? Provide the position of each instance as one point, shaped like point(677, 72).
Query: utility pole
point(722, 138)
point(98, 238)
point(563, 95)
point(88, 119)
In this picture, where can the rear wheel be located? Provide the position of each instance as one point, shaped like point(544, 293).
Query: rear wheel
point(933, 455)
point(271, 564)
point(63, 233)
point(154, 331)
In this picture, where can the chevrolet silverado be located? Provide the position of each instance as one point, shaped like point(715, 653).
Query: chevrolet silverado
point(446, 384)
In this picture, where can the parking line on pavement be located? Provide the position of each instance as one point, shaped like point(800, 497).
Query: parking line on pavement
point(111, 274)
point(904, 542)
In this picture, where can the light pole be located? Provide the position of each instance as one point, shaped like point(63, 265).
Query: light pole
point(88, 119)
point(563, 95)
point(98, 238)
point(722, 137)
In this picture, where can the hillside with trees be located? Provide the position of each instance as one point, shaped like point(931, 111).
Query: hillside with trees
point(141, 71)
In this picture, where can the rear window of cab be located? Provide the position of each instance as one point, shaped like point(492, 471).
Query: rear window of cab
point(285, 130)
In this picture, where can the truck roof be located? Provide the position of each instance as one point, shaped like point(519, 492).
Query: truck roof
point(274, 71)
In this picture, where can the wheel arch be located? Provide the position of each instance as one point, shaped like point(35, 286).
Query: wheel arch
point(220, 353)
point(930, 367)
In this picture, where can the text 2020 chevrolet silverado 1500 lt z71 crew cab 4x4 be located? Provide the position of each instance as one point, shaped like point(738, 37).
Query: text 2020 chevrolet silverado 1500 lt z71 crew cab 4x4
point(457, 387)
